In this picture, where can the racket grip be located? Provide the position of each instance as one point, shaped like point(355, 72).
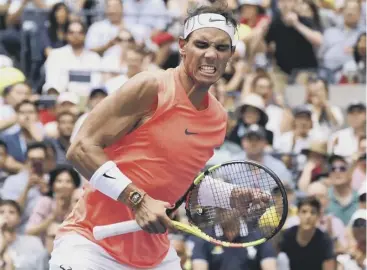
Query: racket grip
point(102, 232)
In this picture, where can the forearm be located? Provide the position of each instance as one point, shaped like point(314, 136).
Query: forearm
point(23, 197)
point(331, 116)
point(305, 179)
point(314, 37)
point(42, 227)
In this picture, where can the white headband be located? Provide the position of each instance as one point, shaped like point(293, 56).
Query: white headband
point(209, 20)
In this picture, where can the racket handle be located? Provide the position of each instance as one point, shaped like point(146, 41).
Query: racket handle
point(102, 232)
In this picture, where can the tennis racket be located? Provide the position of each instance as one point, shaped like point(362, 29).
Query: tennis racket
point(239, 198)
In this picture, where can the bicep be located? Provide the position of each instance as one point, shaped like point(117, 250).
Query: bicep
point(117, 114)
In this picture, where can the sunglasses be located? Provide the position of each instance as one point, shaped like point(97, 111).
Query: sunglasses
point(338, 169)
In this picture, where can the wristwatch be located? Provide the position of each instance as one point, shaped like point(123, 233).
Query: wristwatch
point(135, 198)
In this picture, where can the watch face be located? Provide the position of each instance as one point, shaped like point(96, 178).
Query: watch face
point(135, 197)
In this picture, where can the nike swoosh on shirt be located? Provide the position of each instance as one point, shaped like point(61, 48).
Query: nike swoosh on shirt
point(187, 132)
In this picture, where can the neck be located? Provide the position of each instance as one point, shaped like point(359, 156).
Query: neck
point(257, 158)
point(305, 236)
point(342, 190)
point(195, 92)
point(78, 50)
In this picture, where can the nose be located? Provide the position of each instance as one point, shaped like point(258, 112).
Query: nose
point(211, 53)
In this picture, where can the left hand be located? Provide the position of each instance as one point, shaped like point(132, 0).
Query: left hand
point(291, 18)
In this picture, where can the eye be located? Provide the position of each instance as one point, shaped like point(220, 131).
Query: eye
point(201, 44)
point(223, 48)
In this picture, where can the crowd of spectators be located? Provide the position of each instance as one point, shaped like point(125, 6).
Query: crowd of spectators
point(59, 59)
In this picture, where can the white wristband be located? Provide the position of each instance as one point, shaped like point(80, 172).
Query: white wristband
point(109, 180)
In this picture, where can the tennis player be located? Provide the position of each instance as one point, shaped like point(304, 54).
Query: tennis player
point(141, 148)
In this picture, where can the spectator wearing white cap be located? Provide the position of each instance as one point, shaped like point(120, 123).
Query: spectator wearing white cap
point(66, 102)
point(345, 142)
point(251, 110)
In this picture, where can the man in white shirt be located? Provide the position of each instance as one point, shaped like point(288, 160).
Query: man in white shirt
point(71, 58)
point(345, 142)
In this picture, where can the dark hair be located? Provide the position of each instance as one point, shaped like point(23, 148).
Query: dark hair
point(37, 145)
point(356, 55)
point(315, 10)
point(24, 102)
point(61, 169)
point(359, 223)
point(217, 8)
point(53, 27)
point(13, 204)
point(311, 201)
point(3, 144)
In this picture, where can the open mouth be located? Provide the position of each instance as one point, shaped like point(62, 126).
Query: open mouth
point(207, 69)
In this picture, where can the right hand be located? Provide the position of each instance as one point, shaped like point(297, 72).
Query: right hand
point(33, 180)
point(151, 215)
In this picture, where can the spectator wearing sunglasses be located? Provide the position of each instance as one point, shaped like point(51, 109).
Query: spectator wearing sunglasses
point(343, 199)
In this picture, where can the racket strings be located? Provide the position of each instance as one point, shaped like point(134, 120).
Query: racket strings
point(209, 205)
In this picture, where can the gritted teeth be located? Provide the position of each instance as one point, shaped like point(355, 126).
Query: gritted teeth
point(208, 69)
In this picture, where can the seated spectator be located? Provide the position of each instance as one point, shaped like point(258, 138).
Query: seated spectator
point(66, 102)
point(96, 96)
point(102, 35)
point(295, 38)
point(354, 71)
point(337, 47)
point(326, 118)
point(250, 111)
point(25, 251)
point(263, 85)
point(306, 246)
point(55, 206)
point(343, 199)
point(355, 258)
point(30, 184)
point(13, 95)
point(54, 34)
point(206, 255)
point(316, 164)
point(113, 64)
point(29, 131)
point(300, 136)
point(72, 57)
point(345, 141)
point(65, 126)
point(253, 143)
point(328, 223)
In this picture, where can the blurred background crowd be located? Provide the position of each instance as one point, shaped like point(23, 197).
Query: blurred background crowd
point(294, 91)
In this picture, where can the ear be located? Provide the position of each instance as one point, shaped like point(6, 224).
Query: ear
point(182, 43)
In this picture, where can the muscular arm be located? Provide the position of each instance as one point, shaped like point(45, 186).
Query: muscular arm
point(111, 119)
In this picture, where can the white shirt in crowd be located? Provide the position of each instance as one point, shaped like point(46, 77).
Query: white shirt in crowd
point(343, 142)
point(323, 130)
point(63, 60)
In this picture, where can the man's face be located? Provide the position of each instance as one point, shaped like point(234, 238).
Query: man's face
point(134, 62)
point(10, 216)
point(338, 173)
point(75, 35)
point(27, 114)
point(302, 124)
point(251, 115)
point(114, 10)
point(253, 145)
point(286, 6)
point(66, 124)
point(356, 118)
point(17, 94)
point(263, 88)
point(351, 13)
point(308, 217)
point(205, 55)
point(36, 155)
